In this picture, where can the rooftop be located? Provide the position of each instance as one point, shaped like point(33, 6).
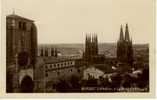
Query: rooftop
point(17, 17)
point(49, 60)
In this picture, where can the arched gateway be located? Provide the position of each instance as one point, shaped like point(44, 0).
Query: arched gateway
point(27, 85)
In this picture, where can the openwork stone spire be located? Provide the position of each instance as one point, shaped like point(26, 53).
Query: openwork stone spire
point(121, 34)
point(127, 38)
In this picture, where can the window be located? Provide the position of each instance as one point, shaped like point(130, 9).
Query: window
point(58, 73)
point(64, 63)
point(78, 70)
point(46, 66)
point(24, 25)
point(20, 25)
point(54, 86)
point(52, 66)
point(58, 65)
point(61, 64)
point(46, 74)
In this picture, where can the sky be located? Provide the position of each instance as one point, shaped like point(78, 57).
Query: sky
point(68, 21)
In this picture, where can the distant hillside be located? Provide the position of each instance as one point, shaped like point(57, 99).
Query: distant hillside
point(109, 49)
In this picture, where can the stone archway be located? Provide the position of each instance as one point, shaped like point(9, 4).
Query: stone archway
point(27, 85)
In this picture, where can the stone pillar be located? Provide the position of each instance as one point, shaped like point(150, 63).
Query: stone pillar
point(43, 51)
point(49, 51)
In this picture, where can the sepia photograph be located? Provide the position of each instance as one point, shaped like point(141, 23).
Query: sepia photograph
point(78, 46)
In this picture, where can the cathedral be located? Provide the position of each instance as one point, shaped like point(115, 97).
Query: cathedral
point(91, 54)
point(124, 47)
point(91, 47)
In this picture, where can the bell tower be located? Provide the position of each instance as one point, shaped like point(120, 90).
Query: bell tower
point(124, 47)
point(21, 36)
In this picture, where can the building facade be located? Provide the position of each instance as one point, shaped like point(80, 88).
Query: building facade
point(54, 69)
point(21, 53)
point(125, 47)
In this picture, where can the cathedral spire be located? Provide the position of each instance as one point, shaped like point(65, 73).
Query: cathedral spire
point(86, 38)
point(92, 35)
point(121, 34)
point(131, 40)
point(89, 37)
point(127, 38)
point(96, 40)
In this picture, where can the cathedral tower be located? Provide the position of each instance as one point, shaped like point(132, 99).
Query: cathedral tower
point(91, 47)
point(124, 47)
point(21, 53)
